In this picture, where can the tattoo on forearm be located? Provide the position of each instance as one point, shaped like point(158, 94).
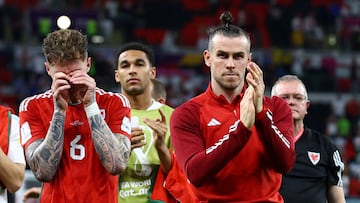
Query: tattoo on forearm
point(44, 156)
point(113, 150)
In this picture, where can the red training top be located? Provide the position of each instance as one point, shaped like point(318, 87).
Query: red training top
point(225, 161)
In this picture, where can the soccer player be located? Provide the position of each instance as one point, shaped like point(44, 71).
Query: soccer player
point(316, 176)
point(76, 136)
point(12, 160)
point(158, 94)
point(152, 173)
point(233, 142)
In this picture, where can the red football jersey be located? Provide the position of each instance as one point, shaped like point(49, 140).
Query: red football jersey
point(80, 176)
point(225, 161)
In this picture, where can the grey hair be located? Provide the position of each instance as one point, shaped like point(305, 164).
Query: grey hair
point(289, 78)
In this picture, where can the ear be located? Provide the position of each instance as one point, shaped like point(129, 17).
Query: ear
point(153, 72)
point(116, 75)
point(48, 68)
point(161, 100)
point(206, 55)
point(88, 64)
point(307, 105)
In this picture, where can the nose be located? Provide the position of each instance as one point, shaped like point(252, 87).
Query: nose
point(132, 68)
point(293, 100)
point(290, 101)
point(230, 63)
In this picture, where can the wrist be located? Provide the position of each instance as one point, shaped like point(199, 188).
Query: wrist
point(259, 109)
point(59, 110)
point(92, 109)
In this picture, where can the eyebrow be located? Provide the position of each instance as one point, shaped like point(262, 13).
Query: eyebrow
point(136, 61)
point(293, 94)
point(230, 53)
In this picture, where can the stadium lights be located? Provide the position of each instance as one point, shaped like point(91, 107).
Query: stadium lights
point(63, 22)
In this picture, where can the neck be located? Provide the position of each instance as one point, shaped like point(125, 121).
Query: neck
point(298, 126)
point(229, 94)
point(140, 102)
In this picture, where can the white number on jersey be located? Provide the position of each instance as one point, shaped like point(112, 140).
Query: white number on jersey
point(77, 151)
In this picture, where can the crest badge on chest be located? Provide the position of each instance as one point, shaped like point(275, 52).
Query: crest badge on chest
point(314, 157)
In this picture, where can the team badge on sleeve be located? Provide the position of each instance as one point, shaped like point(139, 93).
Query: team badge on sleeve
point(126, 125)
point(25, 132)
point(314, 157)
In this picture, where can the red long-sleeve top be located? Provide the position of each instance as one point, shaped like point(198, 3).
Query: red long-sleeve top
point(225, 161)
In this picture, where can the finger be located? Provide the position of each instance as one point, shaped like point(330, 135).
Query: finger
point(82, 79)
point(61, 75)
point(249, 92)
point(251, 81)
point(163, 118)
point(137, 139)
point(254, 68)
point(58, 91)
point(59, 82)
point(137, 145)
point(151, 123)
point(136, 129)
point(256, 72)
point(158, 127)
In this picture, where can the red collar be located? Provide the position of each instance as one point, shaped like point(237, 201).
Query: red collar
point(222, 99)
point(299, 135)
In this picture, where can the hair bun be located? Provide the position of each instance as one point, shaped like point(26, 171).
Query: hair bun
point(226, 18)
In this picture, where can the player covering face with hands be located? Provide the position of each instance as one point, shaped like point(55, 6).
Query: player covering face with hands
point(72, 85)
point(76, 136)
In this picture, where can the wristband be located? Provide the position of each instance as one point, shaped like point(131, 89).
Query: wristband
point(92, 109)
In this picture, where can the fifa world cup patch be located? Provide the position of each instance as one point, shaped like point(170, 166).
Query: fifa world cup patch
point(314, 157)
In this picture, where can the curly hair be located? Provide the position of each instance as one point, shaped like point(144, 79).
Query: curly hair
point(63, 46)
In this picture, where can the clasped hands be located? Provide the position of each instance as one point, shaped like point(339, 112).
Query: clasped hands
point(252, 101)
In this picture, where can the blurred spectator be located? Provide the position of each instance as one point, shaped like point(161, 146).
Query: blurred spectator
point(355, 38)
point(338, 105)
point(331, 126)
point(352, 111)
point(354, 167)
point(279, 26)
point(170, 42)
point(297, 32)
point(344, 127)
point(297, 66)
point(354, 74)
point(314, 34)
point(356, 141)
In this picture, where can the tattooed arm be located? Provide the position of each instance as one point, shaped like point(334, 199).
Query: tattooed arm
point(113, 150)
point(43, 156)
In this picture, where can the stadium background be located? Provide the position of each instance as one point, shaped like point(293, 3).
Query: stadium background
point(318, 40)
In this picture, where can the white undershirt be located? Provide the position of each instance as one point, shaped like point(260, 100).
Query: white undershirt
point(15, 151)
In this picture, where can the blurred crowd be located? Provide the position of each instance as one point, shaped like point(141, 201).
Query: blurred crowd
point(318, 40)
point(343, 127)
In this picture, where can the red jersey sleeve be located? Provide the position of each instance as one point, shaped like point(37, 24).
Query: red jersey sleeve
point(34, 118)
point(119, 116)
point(275, 124)
point(185, 131)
